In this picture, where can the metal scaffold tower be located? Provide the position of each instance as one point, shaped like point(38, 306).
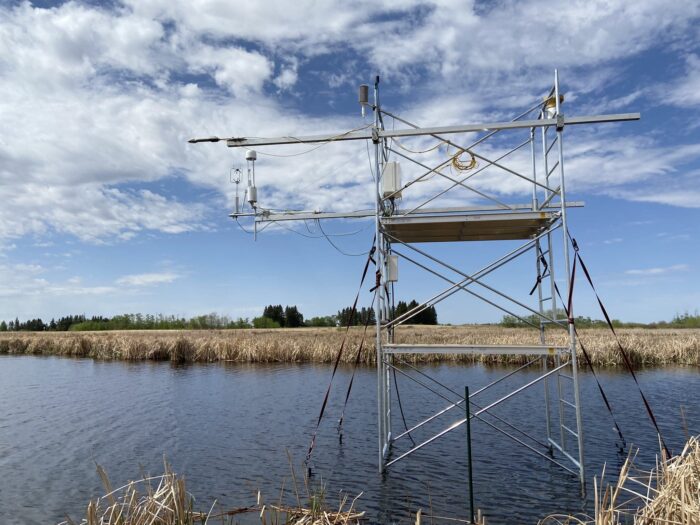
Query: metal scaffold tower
point(409, 233)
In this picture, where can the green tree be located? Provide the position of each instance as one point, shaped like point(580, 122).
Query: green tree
point(276, 313)
point(365, 316)
point(328, 320)
point(293, 317)
point(265, 322)
point(345, 317)
point(401, 308)
point(3, 326)
point(426, 316)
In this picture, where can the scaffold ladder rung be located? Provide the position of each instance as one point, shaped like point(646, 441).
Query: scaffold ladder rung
point(570, 431)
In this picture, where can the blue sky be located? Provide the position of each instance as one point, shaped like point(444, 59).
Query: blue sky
point(105, 209)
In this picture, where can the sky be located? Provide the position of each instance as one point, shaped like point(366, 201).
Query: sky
point(106, 209)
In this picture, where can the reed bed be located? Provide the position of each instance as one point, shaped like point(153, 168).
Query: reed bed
point(646, 347)
point(164, 500)
point(669, 494)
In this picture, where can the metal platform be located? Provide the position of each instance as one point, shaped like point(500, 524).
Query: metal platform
point(511, 225)
point(541, 350)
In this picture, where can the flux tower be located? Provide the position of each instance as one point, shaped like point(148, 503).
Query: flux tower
point(409, 233)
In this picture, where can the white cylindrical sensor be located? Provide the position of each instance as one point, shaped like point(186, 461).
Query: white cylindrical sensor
point(252, 195)
point(392, 268)
point(251, 155)
point(364, 95)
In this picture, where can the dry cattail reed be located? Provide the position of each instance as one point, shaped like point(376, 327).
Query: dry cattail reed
point(646, 347)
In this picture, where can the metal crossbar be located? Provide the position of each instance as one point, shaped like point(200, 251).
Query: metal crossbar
point(441, 193)
point(247, 142)
point(458, 403)
point(481, 273)
point(459, 423)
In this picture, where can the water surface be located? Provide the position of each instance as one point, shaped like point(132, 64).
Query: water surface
point(227, 428)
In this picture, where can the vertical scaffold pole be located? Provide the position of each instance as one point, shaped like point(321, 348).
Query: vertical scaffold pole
point(552, 288)
point(538, 268)
point(567, 263)
point(378, 304)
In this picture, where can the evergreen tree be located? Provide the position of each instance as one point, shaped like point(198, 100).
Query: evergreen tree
point(430, 316)
point(401, 308)
point(344, 317)
point(365, 316)
point(276, 313)
point(426, 316)
point(293, 317)
point(3, 326)
point(415, 317)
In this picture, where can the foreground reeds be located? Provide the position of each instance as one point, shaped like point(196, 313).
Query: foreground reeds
point(668, 494)
point(164, 500)
point(646, 347)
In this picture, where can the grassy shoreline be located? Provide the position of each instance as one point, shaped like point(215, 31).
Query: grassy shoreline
point(319, 345)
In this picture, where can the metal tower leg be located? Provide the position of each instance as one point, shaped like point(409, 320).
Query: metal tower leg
point(540, 299)
point(382, 304)
point(378, 302)
point(567, 264)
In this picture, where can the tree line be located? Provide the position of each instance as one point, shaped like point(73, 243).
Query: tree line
point(273, 316)
point(79, 323)
point(685, 320)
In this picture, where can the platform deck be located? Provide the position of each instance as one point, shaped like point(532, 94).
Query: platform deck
point(511, 225)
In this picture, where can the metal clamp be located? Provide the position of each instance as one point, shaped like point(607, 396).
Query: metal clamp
point(560, 122)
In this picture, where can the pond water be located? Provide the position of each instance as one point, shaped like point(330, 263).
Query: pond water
point(228, 429)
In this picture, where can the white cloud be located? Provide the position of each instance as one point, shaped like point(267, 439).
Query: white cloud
point(91, 212)
point(147, 279)
point(24, 280)
point(685, 91)
point(658, 270)
point(288, 76)
point(240, 71)
point(97, 99)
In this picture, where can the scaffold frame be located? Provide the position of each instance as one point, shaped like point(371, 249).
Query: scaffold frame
point(397, 231)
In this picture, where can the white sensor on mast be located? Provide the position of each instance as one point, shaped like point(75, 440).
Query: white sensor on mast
point(363, 98)
point(235, 178)
point(251, 156)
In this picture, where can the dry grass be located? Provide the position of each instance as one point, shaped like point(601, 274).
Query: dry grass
point(646, 347)
point(669, 494)
point(164, 500)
